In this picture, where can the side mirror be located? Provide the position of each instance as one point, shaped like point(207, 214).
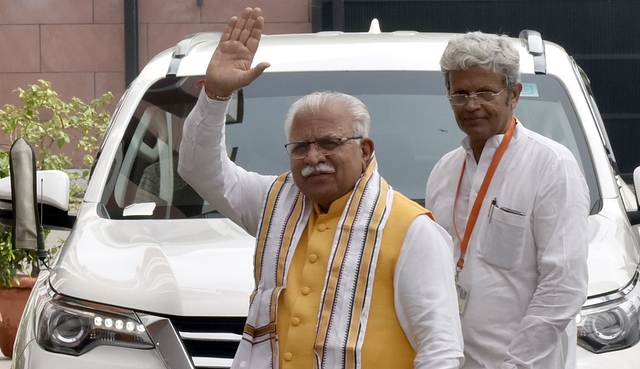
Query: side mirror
point(636, 182)
point(634, 216)
point(52, 192)
point(52, 188)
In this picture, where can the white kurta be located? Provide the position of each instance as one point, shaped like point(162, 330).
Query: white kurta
point(429, 320)
point(527, 272)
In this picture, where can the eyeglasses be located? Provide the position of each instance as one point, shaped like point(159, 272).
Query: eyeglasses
point(325, 145)
point(482, 97)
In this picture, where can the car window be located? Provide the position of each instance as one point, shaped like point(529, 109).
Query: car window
point(411, 123)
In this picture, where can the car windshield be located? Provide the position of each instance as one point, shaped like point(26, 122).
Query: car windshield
point(412, 126)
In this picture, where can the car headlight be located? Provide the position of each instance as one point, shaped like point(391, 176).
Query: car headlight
point(611, 322)
point(73, 327)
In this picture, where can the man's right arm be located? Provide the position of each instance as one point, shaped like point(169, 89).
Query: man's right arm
point(425, 296)
point(204, 164)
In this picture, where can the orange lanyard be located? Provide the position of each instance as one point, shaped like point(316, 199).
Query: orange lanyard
point(477, 204)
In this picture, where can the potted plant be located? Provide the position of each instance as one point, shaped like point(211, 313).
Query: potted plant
point(49, 124)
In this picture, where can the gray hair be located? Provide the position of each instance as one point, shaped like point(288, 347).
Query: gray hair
point(489, 51)
point(313, 102)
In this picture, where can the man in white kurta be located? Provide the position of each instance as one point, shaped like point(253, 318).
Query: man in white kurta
point(524, 275)
point(405, 317)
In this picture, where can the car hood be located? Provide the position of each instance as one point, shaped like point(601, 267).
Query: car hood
point(204, 267)
point(191, 267)
point(613, 255)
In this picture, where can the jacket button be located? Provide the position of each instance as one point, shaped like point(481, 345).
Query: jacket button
point(306, 290)
point(288, 356)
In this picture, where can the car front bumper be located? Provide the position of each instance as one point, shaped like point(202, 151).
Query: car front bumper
point(628, 358)
point(102, 357)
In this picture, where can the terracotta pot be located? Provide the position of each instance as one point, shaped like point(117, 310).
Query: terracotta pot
point(12, 303)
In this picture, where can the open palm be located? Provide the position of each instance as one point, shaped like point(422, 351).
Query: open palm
point(230, 66)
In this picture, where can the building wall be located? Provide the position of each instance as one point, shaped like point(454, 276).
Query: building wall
point(78, 45)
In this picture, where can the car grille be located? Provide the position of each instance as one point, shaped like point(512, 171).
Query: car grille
point(210, 342)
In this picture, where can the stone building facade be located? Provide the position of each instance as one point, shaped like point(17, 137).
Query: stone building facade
point(78, 45)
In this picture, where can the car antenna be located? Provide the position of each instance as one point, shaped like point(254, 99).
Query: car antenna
point(41, 252)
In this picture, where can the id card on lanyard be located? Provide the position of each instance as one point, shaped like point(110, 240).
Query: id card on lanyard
point(463, 290)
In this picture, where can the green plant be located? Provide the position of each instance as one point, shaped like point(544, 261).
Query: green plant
point(49, 124)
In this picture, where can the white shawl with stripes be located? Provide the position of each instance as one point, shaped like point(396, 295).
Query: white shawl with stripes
point(342, 317)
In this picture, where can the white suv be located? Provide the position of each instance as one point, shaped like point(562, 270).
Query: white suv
point(151, 276)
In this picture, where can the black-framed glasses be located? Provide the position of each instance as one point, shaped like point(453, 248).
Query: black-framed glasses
point(325, 145)
point(482, 97)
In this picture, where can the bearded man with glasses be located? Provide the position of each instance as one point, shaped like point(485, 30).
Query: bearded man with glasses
point(349, 273)
point(516, 206)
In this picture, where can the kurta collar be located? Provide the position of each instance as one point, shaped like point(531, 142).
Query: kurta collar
point(336, 207)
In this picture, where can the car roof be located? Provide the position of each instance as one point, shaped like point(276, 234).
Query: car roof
point(340, 51)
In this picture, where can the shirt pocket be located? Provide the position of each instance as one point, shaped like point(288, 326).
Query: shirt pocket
point(502, 244)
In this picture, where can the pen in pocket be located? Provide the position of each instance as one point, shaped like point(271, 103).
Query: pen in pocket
point(511, 211)
point(494, 204)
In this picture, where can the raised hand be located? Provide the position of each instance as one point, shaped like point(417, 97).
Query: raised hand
point(230, 66)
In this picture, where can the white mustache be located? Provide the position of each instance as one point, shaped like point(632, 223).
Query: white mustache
point(320, 168)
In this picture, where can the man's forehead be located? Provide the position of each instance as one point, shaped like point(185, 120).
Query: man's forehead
point(474, 76)
point(327, 120)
